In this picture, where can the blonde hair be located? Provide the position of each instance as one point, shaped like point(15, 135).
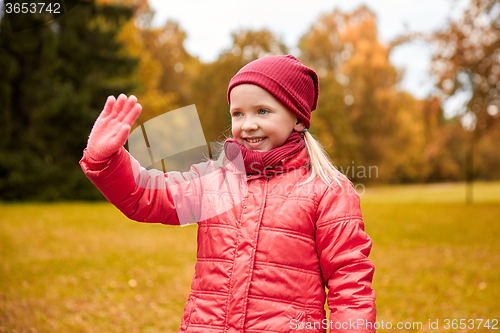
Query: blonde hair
point(321, 165)
point(320, 162)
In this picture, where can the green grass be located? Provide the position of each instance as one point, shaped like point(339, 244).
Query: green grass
point(84, 267)
point(436, 257)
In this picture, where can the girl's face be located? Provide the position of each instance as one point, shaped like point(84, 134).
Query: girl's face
point(259, 121)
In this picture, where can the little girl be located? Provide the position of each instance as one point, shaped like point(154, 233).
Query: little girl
point(263, 263)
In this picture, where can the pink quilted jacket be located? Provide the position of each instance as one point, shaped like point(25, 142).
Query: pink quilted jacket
point(264, 264)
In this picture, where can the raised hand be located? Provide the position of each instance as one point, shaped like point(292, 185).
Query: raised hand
point(112, 127)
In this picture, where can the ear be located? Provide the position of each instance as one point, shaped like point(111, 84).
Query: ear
point(299, 126)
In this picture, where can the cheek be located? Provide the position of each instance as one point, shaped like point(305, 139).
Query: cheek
point(234, 130)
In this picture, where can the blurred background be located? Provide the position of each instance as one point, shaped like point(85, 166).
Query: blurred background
point(408, 109)
point(435, 126)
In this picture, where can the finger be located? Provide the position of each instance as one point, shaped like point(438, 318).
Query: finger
point(110, 102)
point(122, 135)
point(131, 117)
point(117, 109)
point(129, 104)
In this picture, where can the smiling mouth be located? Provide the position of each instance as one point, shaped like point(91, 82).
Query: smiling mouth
point(255, 140)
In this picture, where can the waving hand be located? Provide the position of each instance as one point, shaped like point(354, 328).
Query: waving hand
point(112, 127)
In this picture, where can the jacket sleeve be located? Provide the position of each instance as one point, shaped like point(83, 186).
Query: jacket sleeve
point(145, 195)
point(343, 248)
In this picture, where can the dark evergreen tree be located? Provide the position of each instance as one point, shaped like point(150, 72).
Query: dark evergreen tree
point(54, 80)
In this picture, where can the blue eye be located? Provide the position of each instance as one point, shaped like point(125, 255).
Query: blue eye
point(263, 111)
point(236, 114)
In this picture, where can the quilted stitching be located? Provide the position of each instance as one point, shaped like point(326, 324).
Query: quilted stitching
point(267, 260)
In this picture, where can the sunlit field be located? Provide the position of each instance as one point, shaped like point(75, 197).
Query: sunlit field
point(83, 267)
point(436, 257)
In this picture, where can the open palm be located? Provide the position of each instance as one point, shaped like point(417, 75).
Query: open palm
point(112, 127)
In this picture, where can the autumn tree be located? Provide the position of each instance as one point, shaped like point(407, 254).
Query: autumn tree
point(53, 81)
point(466, 62)
point(166, 70)
point(461, 142)
point(321, 48)
point(370, 121)
point(210, 87)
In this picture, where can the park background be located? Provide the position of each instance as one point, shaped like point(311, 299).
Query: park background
point(71, 262)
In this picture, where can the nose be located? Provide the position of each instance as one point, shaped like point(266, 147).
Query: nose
point(249, 124)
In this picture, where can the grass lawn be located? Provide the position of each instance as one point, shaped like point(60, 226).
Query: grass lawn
point(435, 257)
point(83, 267)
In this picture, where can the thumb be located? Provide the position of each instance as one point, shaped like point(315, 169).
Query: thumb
point(122, 135)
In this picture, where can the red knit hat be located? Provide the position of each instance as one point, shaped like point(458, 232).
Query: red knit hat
point(296, 86)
